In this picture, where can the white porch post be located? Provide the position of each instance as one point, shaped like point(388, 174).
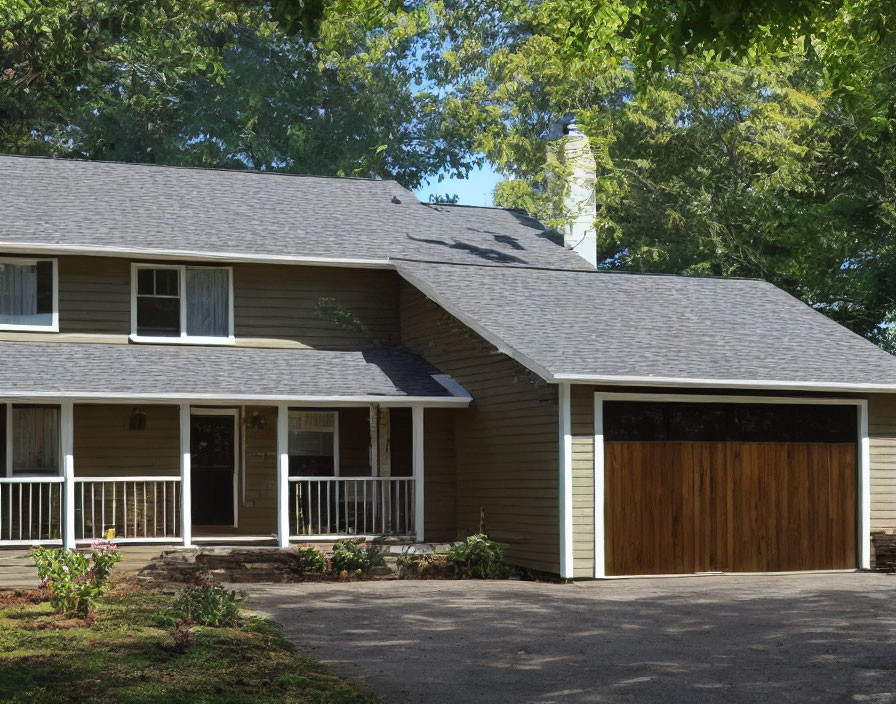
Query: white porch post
point(565, 481)
point(864, 487)
point(417, 449)
point(186, 494)
point(283, 475)
point(67, 442)
point(600, 555)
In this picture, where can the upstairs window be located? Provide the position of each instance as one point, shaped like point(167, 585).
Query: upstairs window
point(187, 303)
point(28, 294)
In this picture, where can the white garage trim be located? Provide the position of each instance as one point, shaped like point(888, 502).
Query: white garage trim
point(863, 443)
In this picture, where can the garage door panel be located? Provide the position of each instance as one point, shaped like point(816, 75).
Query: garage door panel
point(681, 507)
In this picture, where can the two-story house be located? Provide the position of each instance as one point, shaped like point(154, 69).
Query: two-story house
point(192, 355)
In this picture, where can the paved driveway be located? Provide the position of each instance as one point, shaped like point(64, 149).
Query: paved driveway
point(808, 638)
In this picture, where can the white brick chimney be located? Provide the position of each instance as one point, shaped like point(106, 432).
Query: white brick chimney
point(579, 198)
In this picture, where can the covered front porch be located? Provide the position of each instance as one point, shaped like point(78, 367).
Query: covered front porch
point(203, 472)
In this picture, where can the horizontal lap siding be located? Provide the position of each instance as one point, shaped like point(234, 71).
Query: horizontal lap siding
point(321, 307)
point(882, 441)
point(258, 488)
point(439, 484)
point(506, 442)
point(94, 295)
point(105, 446)
point(582, 407)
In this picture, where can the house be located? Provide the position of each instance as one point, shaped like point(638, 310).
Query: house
point(192, 355)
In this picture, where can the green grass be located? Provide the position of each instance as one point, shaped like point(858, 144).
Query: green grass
point(127, 655)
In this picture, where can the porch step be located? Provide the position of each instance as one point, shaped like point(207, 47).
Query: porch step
point(258, 564)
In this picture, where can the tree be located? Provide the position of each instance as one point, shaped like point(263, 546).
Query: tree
point(211, 82)
point(735, 139)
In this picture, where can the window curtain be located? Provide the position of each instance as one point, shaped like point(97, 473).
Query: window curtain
point(18, 293)
point(208, 294)
point(35, 443)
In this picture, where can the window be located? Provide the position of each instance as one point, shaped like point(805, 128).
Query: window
point(182, 302)
point(28, 294)
point(32, 441)
point(729, 422)
point(313, 439)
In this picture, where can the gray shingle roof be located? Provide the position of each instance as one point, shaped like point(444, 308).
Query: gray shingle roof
point(628, 328)
point(185, 371)
point(137, 207)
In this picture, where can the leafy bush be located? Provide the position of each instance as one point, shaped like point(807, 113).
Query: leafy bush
point(351, 556)
point(479, 558)
point(207, 604)
point(310, 560)
point(424, 567)
point(74, 580)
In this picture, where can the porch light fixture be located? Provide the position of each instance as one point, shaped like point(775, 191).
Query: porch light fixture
point(255, 421)
point(137, 420)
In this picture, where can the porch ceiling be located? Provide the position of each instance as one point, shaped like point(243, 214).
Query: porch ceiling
point(163, 372)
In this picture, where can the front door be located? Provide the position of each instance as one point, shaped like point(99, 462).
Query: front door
point(212, 464)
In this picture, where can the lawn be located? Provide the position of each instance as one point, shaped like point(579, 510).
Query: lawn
point(127, 655)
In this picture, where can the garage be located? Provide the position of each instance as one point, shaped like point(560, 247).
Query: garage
point(729, 487)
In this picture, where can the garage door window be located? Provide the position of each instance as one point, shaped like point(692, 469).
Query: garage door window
point(728, 422)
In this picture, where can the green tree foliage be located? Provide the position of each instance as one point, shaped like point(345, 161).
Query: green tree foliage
point(733, 139)
point(207, 82)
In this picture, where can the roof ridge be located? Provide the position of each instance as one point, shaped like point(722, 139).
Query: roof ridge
point(709, 277)
point(192, 167)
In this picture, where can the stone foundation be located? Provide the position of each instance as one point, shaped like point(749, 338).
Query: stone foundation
point(883, 552)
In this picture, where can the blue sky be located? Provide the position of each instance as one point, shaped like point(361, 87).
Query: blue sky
point(475, 190)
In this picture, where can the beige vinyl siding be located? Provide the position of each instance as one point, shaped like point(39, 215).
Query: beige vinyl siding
point(439, 486)
point(105, 446)
point(94, 295)
point(321, 307)
point(506, 442)
point(582, 407)
point(882, 441)
point(258, 501)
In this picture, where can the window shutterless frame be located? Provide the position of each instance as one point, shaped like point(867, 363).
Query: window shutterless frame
point(183, 338)
point(54, 325)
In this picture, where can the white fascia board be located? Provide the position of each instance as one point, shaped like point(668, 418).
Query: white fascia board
point(757, 384)
point(239, 399)
point(473, 324)
point(192, 255)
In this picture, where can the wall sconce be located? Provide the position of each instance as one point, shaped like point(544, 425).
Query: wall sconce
point(255, 421)
point(137, 420)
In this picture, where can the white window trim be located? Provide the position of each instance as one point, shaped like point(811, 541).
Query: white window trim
point(8, 469)
point(335, 415)
point(183, 338)
point(54, 325)
point(863, 459)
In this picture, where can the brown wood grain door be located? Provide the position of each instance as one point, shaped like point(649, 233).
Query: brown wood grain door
point(682, 507)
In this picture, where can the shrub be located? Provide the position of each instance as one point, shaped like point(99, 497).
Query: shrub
point(479, 558)
point(352, 556)
point(424, 567)
point(310, 561)
point(207, 604)
point(74, 580)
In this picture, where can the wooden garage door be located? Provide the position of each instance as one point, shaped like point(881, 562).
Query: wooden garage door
point(744, 496)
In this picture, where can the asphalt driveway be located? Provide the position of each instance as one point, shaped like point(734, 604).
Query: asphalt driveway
point(807, 638)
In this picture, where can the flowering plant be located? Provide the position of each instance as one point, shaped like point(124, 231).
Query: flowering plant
point(75, 580)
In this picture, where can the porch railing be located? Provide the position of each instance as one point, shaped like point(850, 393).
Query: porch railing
point(325, 506)
point(31, 510)
point(139, 509)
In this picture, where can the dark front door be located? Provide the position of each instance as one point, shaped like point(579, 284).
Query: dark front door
point(212, 452)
